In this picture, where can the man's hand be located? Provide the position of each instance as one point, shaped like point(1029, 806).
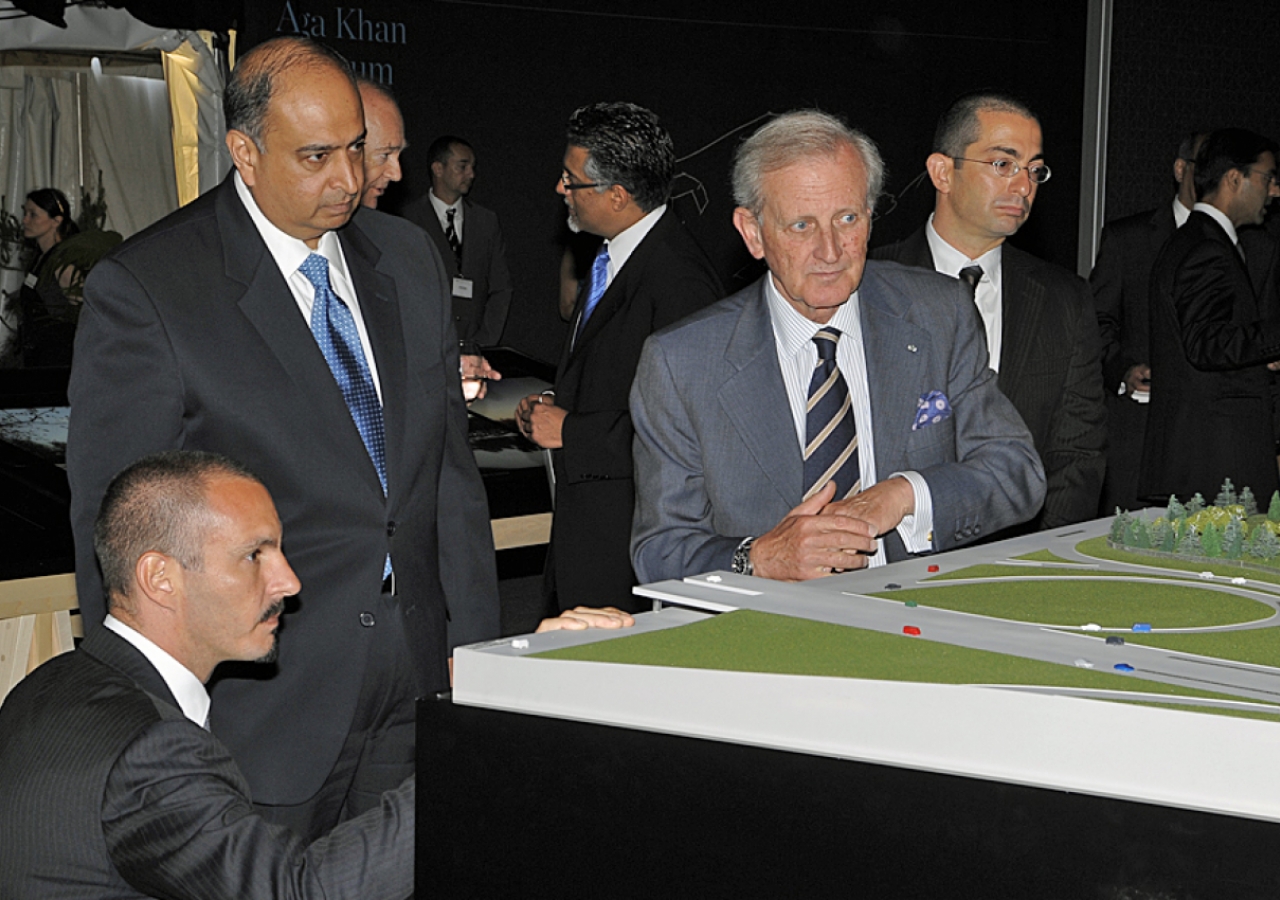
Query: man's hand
point(882, 506)
point(807, 545)
point(581, 618)
point(540, 420)
point(1138, 379)
point(476, 375)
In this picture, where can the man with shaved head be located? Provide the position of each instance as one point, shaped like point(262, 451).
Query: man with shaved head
point(264, 322)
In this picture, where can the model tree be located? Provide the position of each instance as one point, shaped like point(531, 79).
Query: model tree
point(1176, 510)
point(1227, 495)
point(1195, 505)
point(1263, 543)
point(1273, 511)
point(1249, 502)
point(1211, 540)
point(1233, 539)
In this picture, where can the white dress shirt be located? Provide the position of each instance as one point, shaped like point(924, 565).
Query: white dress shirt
point(623, 244)
point(797, 357)
point(987, 295)
point(186, 688)
point(442, 213)
point(1180, 213)
point(290, 253)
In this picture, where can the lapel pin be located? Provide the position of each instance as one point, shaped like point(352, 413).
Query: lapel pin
point(911, 347)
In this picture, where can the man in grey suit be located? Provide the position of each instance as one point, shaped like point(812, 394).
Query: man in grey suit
point(734, 455)
point(110, 782)
point(469, 240)
point(261, 321)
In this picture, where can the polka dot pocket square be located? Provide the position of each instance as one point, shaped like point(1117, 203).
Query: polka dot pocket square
point(931, 409)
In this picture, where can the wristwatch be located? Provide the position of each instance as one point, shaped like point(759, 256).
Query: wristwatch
point(742, 557)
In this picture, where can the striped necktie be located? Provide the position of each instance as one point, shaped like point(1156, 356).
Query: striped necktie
point(831, 438)
point(451, 235)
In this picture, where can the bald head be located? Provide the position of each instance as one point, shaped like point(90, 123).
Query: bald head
point(384, 140)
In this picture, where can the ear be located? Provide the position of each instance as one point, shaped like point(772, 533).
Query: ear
point(159, 578)
point(1179, 169)
point(940, 168)
point(244, 155)
point(619, 197)
point(749, 227)
point(437, 170)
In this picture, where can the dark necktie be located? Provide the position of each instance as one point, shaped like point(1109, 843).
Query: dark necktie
point(451, 235)
point(971, 275)
point(335, 330)
point(599, 281)
point(831, 438)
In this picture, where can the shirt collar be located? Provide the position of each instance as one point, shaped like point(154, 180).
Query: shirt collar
point(623, 244)
point(441, 207)
point(289, 252)
point(186, 688)
point(949, 261)
point(1220, 217)
point(794, 332)
point(1180, 213)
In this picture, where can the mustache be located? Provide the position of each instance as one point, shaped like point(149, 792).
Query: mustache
point(274, 609)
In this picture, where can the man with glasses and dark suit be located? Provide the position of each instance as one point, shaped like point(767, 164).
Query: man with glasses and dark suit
point(649, 273)
point(1042, 334)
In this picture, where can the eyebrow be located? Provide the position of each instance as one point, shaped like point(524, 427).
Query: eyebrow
point(1009, 151)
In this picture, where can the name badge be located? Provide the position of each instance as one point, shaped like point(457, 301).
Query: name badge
point(30, 280)
point(462, 287)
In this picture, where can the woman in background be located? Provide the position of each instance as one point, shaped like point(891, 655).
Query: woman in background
point(48, 318)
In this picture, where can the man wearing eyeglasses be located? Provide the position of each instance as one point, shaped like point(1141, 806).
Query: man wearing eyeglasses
point(1211, 337)
point(1042, 334)
point(649, 273)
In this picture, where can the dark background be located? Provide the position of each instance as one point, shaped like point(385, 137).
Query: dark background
point(507, 76)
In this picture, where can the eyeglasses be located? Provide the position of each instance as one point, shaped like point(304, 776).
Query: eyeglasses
point(567, 182)
point(1006, 168)
point(1268, 178)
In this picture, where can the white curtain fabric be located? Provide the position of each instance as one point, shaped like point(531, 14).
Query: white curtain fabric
point(128, 140)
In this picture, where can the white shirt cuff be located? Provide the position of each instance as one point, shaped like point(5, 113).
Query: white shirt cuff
point(916, 530)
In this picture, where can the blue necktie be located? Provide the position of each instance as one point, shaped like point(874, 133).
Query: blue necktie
point(831, 438)
point(599, 281)
point(335, 331)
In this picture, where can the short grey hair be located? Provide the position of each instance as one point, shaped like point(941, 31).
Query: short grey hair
point(795, 136)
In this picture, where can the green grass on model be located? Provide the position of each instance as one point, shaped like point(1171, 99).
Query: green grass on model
point(1255, 645)
point(1005, 570)
point(1108, 602)
point(749, 641)
point(1100, 549)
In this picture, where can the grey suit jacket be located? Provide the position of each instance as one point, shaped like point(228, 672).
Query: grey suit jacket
point(1050, 369)
point(107, 790)
point(481, 317)
point(190, 339)
point(716, 453)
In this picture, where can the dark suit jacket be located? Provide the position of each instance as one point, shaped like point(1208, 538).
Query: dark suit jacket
point(1210, 416)
point(1049, 368)
point(484, 261)
point(717, 458)
point(1121, 282)
point(107, 790)
point(190, 339)
point(666, 278)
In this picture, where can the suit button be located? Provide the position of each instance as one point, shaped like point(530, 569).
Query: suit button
point(366, 619)
point(391, 529)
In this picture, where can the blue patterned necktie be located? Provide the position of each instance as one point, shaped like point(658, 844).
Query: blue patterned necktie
point(335, 330)
point(831, 438)
point(599, 281)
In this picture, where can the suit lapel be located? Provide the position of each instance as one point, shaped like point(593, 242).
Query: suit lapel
point(755, 400)
point(915, 251)
point(269, 305)
point(1021, 307)
point(380, 307)
point(887, 340)
point(616, 296)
